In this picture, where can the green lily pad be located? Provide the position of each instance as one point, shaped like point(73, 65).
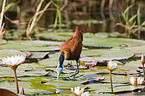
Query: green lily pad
point(23, 70)
point(105, 54)
point(133, 64)
point(32, 45)
point(133, 67)
point(10, 85)
point(55, 35)
point(49, 62)
point(98, 39)
point(139, 50)
point(117, 88)
point(64, 84)
point(114, 34)
point(5, 53)
point(31, 86)
point(39, 55)
point(52, 61)
point(81, 22)
point(103, 40)
point(31, 69)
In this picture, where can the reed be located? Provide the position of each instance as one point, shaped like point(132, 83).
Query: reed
point(133, 23)
point(36, 17)
point(129, 21)
point(58, 17)
point(140, 25)
point(1, 23)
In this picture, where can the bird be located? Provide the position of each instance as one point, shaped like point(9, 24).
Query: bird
point(71, 50)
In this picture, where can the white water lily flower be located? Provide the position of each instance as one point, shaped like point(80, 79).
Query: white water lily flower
point(136, 80)
point(78, 92)
point(111, 65)
point(13, 61)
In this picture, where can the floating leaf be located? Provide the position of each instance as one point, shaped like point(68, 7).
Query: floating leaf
point(5, 53)
point(106, 54)
point(32, 45)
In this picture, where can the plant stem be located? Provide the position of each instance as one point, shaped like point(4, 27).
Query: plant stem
point(16, 81)
point(30, 27)
point(143, 71)
point(1, 23)
point(111, 82)
point(2, 13)
point(45, 8)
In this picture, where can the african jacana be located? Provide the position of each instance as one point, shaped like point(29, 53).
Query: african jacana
point(71, 50)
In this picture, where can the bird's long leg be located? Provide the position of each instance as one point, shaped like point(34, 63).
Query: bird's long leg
point(77, 69)
point(78, 64)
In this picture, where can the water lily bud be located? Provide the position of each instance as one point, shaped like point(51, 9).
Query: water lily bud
point(111, 65)
point(142, 60)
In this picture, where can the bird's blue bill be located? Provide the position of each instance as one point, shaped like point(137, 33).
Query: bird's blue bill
point(59, 70)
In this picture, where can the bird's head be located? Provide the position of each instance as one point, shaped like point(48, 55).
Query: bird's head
point(78, 34)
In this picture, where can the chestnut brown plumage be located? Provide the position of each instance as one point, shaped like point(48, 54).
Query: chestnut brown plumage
point(71, 50)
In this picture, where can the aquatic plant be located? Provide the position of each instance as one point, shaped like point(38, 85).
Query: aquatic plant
point(36, 18)
point(59, 9)
point(1, 23)
point(111, 67)
point(143, 62)
point(129, 21)
point(13, 62)
point(131, 27)
point(78, 92)
point(4, 9)
point(139, 26)
point(136, 80)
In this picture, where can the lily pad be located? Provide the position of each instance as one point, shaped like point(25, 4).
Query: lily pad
point(32, 45)
point(81, 22)
point(105, 54)
point(55, 35)
point(98, 39)
point(39, 55)
point(133, 67)
point(31, 87)
point(118, 88)
point(5, 53)
point(134, 64)
point(49, 62)
point(139, 50)
point(103, 40)
point(23, 70)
